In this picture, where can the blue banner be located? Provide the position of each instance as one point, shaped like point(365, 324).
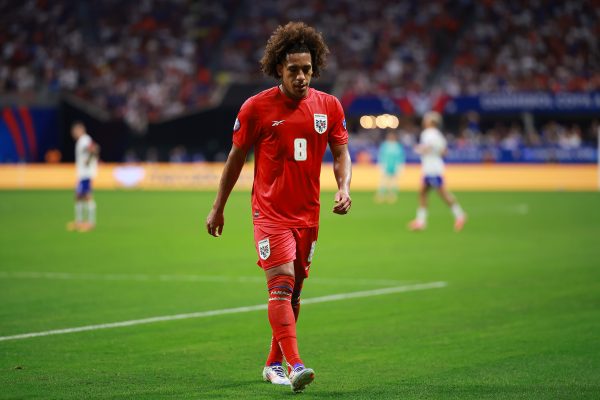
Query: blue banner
point(535, 102)
point(26, 134)
point(488, 154)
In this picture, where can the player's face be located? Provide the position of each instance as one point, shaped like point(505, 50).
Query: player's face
point(77, 131)
point(296, 72)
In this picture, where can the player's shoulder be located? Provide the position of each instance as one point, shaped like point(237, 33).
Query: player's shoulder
point(260, 101)
point(262, 96)
point(84, 140)
point(324, 96)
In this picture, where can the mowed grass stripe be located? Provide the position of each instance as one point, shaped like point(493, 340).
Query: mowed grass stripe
point(184, 278)
point(236, 310)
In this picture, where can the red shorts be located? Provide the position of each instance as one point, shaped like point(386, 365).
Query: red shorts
point(277, 246)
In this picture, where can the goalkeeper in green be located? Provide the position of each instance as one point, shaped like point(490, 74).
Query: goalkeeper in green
point(391, 161)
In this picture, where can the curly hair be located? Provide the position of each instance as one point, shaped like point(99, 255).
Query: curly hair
point(294, 37)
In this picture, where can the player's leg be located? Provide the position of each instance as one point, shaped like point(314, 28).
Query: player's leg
point(91, 210)
point(381, 190)
point(277, 250)
point(89, 206)
point(306, 242)
point(393, 187)
point(280, 281)
point(420, 221)
point(459, 215)
point(275, 354)
point(79, 206)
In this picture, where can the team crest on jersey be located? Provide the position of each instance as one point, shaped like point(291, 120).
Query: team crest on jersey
point(320, 123)
point(264, 249)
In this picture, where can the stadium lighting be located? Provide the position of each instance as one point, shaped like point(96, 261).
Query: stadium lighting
point(382, 121)
point(367, 121)
point(393, 122)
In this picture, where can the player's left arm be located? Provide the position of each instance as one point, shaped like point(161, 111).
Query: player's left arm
point(342, 168)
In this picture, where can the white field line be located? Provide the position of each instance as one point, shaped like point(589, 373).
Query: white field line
point(183, 278)
point(237, 310)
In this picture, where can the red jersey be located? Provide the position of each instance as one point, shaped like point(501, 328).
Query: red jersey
point(289, 138)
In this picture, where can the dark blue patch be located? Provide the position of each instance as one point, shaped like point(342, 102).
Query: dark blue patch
point(433, 181)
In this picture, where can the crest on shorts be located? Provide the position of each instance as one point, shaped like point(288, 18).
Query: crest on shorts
point(236, 125)
point(264, 249)
point(311, 253)
point(320, 123)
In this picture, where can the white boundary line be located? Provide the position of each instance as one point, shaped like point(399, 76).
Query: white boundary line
point(237, 310)
point(182, 278)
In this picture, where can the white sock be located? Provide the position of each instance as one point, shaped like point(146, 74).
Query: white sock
point(457, 211)
point(422, 215)
point(91, 211)
point(78, 211)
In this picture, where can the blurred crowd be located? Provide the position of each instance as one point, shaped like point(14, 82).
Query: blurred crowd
point(526, 45)
point(140, 60)
point(153, 59)
point(385, 45)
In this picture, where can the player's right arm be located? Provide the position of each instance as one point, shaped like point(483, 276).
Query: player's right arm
point(231, 173)
point(425, 145)
point(245, 133)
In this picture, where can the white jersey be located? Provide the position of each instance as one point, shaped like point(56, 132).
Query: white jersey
point(432, 162)
point(85, 169)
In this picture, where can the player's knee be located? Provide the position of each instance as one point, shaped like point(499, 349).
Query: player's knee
point(286, 269)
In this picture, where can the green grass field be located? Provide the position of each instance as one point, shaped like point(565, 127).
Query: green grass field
point(519, 317)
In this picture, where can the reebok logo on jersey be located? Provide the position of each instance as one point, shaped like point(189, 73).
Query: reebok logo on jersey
point(275, 123)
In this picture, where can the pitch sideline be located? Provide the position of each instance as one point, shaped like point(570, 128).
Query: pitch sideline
point(237, 310)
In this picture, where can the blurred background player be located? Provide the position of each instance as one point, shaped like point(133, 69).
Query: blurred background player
point(86, 163)
point(391, 161)
point(432, 148)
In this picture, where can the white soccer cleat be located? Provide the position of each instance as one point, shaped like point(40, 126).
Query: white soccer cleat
point(300, 378)
point(416, 226)
point(459, 223)
point(276, 375)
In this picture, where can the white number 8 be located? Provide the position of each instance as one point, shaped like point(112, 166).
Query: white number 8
point(300, 149)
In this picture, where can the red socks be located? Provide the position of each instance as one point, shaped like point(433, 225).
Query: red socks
point(275, 354)
point(283, 319)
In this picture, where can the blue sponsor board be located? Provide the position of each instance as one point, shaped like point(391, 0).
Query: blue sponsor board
point(535, 102)
point(492, 154)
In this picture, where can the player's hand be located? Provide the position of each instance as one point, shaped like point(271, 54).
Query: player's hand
point(343, 202)
point(215, 222)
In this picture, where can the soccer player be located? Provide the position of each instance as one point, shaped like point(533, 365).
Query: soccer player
point(432, 148)
point(289, 126)
point(391, 161)
point(86, 162)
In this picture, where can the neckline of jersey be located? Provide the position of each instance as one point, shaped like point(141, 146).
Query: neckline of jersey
point(292, 100)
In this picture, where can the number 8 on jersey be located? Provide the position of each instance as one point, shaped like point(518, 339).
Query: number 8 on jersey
point(300, 153)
